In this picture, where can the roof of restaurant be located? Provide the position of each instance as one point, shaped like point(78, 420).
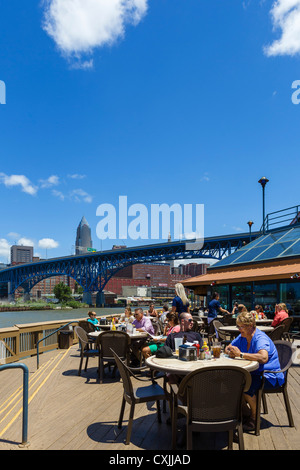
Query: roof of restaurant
point(275, 255)
point(273, 245)
point(244, 274)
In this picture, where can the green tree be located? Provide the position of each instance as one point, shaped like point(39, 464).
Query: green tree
point(62, 292)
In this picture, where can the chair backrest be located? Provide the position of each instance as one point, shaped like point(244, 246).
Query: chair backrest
point(86, 326)
point(124, 373)
point(82, 336)
point(286, 353)
point(156, 327)
point(277, 333)
point(227, 320)
point(287, 324)
point(117, 341)
point(217, 324)
point(215, 393)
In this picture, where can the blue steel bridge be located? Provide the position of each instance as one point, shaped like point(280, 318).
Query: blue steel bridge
point(93, 270)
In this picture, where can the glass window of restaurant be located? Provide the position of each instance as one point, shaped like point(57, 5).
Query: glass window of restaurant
point(290, 295)
point(223, 291)
point(242, 293)
point(266, 295)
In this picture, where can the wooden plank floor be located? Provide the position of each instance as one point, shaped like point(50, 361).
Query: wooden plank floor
point(71, 412)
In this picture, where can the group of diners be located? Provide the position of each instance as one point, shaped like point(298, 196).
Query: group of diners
point(215, 309)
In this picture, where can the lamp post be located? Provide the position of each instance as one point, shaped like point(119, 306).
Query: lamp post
point(263, 181)
point(250, 223)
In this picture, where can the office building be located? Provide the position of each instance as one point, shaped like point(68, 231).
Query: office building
point(83, 237)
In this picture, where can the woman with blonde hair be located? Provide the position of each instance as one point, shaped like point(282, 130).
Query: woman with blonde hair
point(281, 313)
point(254, 345)
point(180, 302)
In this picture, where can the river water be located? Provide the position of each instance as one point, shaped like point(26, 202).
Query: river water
point(8, 319)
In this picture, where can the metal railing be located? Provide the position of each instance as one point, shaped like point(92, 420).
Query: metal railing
point(282, 218)
point(25, 397)
point(50, 334)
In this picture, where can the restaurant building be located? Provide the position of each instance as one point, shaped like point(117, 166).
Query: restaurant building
point(265, 271)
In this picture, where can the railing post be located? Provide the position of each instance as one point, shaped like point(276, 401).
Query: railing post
point(25, 398)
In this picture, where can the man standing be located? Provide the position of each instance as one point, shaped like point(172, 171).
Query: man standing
point(214, 308)
point(186, 325)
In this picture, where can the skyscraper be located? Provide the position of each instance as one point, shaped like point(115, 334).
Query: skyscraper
point(83, 238)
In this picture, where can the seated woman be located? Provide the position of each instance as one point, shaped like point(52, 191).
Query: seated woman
point(127, 314)
point(254, 345)
point(281, 313)
point(152, 312)
point(172, 326)
point(260, 311)
point(92, 319)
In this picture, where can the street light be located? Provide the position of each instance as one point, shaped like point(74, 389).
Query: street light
point(250, 223)
point(263, 181)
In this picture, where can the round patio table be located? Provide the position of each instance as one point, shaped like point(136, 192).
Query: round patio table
point(234, 331)
point(137, 335)
point(173, 365)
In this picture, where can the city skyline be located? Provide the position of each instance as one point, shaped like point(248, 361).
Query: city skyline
point(178, 103)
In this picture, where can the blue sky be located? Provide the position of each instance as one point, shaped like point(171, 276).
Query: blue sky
point(164, 101)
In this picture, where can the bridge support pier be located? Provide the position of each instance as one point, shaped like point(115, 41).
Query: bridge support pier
point(100, 300)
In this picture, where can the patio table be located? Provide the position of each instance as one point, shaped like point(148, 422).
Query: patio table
point(173, 365)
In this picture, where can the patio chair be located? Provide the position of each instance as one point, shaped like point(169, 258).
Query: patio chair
point(87, 326)
point(211, 400)
point(133, 396)
point(119, 341)
point(85, 350)
point(221, 336)
point(277, 333)
point(286, 353)
point(228, 320)
point(287, 322)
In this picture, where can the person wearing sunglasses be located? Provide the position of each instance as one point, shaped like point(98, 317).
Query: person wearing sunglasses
point(186, 330)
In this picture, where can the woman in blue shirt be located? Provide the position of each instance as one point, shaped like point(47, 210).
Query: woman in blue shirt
point(254, 345)
point(180, 302)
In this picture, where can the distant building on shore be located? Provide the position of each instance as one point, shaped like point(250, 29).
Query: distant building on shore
point(21, 254)
point(83, 237)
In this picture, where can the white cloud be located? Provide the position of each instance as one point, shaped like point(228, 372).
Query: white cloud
point(286, 18)
point(80, 195)
point(76, 176)
point(58, 194)
point(25, 242)
point(48, 243)
point(18, 180)
point(4, 250)
point(49, 182)
point(79, 26)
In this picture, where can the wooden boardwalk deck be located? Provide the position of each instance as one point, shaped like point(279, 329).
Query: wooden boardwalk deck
point(71, 412)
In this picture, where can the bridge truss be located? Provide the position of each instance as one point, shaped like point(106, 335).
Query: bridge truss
point(92, 271)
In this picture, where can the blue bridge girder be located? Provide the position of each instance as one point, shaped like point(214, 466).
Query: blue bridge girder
point(93, 270)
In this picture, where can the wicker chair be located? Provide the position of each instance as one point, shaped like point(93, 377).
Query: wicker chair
point(287, 322)
point(228, 320)
point(286, 354)
point(85, 350)
point(119, 341)
point(87, 326)
point(221, 336)
point(211, 402)
point(133, 396)
point(277, 333)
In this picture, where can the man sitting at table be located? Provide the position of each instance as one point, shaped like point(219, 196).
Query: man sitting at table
point(186, 325)
point(141, 322)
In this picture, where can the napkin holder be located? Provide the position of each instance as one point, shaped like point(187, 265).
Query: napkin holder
point(187, 353)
